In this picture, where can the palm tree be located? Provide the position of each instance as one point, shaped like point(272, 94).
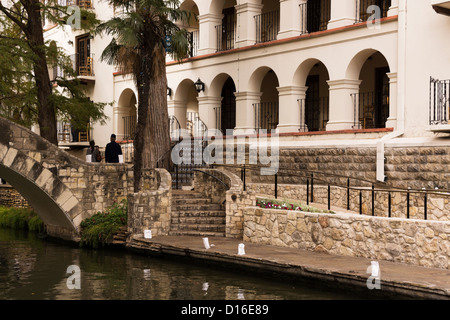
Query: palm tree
point(138, 47)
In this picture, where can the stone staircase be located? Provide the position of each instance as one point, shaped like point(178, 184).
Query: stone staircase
point(195, 215)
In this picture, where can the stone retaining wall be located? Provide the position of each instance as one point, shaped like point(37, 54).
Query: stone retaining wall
point(438, 205)
point(150, 208)
point(236, 199)
point(416, 167)
point(9, 197)
point(423, 243)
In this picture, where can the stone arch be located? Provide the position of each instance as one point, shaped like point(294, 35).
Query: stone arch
point(126, 114)
point(185, 100)
point(223, 87)
point(372, 101)
point(192, 7)
point(302, 72)
point(50, 198)
point(217, 84)
point(354, 67)
point(264, 81)
point(256, 79)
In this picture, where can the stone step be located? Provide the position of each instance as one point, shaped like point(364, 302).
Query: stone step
point(181, 201)
point(198, 213)
point(196, 233)
point(186, 194)
point(198, 227)
point(197, 207)
point(199, 220)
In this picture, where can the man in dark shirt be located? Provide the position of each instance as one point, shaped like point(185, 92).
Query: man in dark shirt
point(113, 150)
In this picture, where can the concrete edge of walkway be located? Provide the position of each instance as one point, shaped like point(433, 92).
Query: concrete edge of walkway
point(284, 261)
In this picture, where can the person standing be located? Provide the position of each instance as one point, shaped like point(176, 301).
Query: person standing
point(113, 150)
point(94, 152)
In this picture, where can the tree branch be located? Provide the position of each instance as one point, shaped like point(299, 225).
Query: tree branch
point(9, 14)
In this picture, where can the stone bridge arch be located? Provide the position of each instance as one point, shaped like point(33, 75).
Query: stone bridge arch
point(62, 189)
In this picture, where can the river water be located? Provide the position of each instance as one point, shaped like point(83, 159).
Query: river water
point(33, 268)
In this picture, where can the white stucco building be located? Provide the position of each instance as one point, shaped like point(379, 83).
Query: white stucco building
point(311, 70)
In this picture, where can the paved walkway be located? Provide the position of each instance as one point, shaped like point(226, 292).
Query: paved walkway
point(396, 278)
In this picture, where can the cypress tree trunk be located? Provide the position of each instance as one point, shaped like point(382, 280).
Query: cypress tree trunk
point(35, 35)
point(152, 133)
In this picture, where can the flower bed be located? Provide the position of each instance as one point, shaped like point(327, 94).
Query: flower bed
point(287, 205)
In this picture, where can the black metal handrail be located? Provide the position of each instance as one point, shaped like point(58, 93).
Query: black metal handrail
point(212, 176)
point(311, 179)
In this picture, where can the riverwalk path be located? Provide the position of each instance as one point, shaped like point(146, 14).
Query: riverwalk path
point(348, 273)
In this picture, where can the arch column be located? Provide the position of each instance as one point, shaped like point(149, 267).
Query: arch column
point(341, 115)
point(246, 27)
point(245, 113)
point(118, 124)
point(290, 20)
point(342, 13)
point(393, 94)
point(393, 9)
point(207, 112)
point(291, 116)
point(178, 109)
point(207, 30)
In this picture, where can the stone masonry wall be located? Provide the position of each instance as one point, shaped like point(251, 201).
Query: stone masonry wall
point(423, 243)
point(438, 205)
point(9, 197)
point(236, 199)
point(150, 208)
point(416, 167)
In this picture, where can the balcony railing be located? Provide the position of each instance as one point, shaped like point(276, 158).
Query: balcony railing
point(129, 127)
point(266, 116)
point(314, 114)
point(370, 111)
point(362, 9)
point(84, 66)
point(267, 26)
point(439, 113)
point(225, 38)
point(315, 16)
point(66, 133)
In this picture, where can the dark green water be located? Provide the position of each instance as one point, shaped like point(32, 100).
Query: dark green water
point(32, 268)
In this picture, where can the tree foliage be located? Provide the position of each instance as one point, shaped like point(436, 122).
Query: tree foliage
point(29, 93)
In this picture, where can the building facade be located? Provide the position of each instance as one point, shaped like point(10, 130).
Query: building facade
point(309, 70)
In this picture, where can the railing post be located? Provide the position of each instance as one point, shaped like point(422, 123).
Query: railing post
point(389, 205)
point(425, 206)
point(276, 186)
point(360, 201)
point(373, 200)
point(312, 187)
point(407, 204)
point(329, 197)
point(348, 194)
point(307, 191)
point(176, 176)
point(244, 177)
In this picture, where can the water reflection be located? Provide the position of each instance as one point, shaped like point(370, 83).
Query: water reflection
point(34, 269)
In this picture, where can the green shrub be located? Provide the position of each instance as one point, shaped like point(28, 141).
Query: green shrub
point(20, 218)
point(101, 227)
